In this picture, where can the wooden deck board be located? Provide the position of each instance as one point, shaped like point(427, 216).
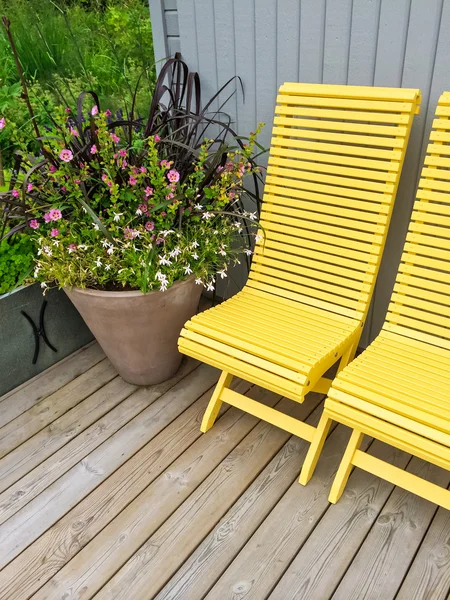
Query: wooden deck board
point(111, 492)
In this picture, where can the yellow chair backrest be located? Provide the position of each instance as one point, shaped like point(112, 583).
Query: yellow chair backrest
point(335, 162)
point(419, 307)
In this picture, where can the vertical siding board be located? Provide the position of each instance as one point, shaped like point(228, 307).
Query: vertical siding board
point(337, 41)
point(206, 48)
point(363, 42)
point(312, 24)
point(423, 29)
point(159, 32)
point(188, 33)
point(225, 55)
point(287, 40)
point(391, 47)
point(244, 31)
point(266, 70)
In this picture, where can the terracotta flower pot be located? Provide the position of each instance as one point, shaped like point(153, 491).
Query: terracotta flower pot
point(137, 331)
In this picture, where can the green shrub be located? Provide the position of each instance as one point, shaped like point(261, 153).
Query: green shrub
point(16, 261)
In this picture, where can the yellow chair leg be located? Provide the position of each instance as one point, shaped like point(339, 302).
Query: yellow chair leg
point(345, 468)
point(215, 403)
point(348, 356)
point(315, 449)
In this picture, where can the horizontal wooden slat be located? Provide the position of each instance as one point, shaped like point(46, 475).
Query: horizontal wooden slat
point(288, 158)
point(342, 138)
point(350, 115)
point(292, 178)
point(354, 209)
point(384, 130)
point(296, 234)
point(336, 161)
point(291, 167)
point(338, 148)
point(345, 228)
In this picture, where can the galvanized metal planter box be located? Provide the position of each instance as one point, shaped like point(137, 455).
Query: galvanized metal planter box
point(62, 324)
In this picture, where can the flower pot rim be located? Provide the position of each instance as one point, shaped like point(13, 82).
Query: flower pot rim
point(125, 293)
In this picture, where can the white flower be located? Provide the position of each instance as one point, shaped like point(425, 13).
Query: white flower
point(248, 252)
point(238, 226)
point(222, 273)
point(210, 286)
point(207, 215)
point(166, 232)
point(82, 247)
point(105, 243)
point(47, 250)
point(194, 255)
point(139, 212)
point(187, 270)
point(84, 209)
point(222, 250)
point(110, 250)
point(36, 271)
point(163, 286)
point(198, 206)
point(175, 252)
point(96, 227)
point(252, 216)
point(108, 267)
point(195, 244)
point(98, 262)
point(215, 232)
point(117, 216)
point(43, 284)
point(258, 238)
point(163, 260)
point(55, 243)
point(160, 276)
point(198, 281)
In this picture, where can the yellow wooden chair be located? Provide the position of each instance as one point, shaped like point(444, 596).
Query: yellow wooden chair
point(397, 391)
point(334, 167)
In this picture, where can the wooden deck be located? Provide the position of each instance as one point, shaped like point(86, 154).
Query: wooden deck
point(108, 491)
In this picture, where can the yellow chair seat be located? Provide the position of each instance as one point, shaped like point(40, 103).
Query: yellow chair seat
point(400, 381)
point(271, 341)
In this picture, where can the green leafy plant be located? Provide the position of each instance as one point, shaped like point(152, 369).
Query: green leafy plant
point(122, 203)
point(16, 261)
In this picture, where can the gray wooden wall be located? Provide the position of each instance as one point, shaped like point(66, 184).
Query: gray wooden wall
point(365, 42)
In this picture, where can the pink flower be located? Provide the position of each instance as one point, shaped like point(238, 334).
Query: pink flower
point(34, 224)
point(55, 214)
point(94, 110)
point(30, 187)
point(169, 196)
point(77, 181)
point(143, 170)
point(104, 177)
point(149, 226)
point(173, 176)
point(148, 191)
point(72, 247)
point(122, 153)
point(157, 138)
point(143, 208)
point(93, 149)
point(124, 164)
point(108, 113)
point(165, 164)
point(129, 234)
point(52, 168)
point(163, 213)
point(66, 155)
point(47, 218)
point(114, 137)
point(68, 110)
point(2, 123)
point(64, 189)
point(74, 132)
point(15, 193)
point(54, 232)
point(132, 180)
